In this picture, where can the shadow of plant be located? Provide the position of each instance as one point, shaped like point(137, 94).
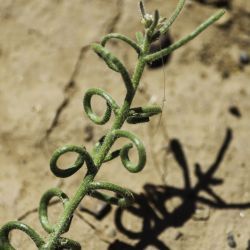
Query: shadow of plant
point(150, 205)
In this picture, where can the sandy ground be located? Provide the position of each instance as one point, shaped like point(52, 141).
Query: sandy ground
point(194, 192)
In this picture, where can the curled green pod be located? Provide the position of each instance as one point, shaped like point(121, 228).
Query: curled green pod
point(83, 156)
point(131, 167)
point(16, 225)
point(142, 114)
point(43, 208)
point(111, 105)
point(108, 58)
point(123, 38)
point(125, 199)
point(115, 64)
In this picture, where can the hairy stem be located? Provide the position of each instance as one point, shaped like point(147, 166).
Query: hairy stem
point(186, 39)
point(99, 157)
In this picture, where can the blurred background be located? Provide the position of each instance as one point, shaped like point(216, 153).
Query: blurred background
point(194, 192)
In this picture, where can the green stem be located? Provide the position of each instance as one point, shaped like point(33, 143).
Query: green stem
point(186, 39)
point(68, 213)
point(99, 157)
point(176, 13)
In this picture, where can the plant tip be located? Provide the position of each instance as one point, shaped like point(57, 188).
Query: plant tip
point(142, 8)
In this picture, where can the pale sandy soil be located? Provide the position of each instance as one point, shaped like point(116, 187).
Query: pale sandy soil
point(46, 65)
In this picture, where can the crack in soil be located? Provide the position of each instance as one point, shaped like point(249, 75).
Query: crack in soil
point(70, 86)
point(99, 233)
point(58, 112)
point(111, 26)
point(68, 91)
point(34, 210)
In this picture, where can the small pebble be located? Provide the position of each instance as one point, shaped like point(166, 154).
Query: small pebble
point(178, 235)
point(141, 89)
point(231, 241)
point(111, 232)
point(36, 108)
point(242, 215)
point(189, 3)
point(244, 58)
point(153, 99)
point(235, 111)
point(225, 74)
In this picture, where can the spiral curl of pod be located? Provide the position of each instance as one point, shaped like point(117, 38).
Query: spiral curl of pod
point(43, 208)
point(123, 38)
point(115, 64)
point(83, 157)
point(111, 105)
point(131, 167)
point(125, 196)
point(16, 225)
point(63, 242)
